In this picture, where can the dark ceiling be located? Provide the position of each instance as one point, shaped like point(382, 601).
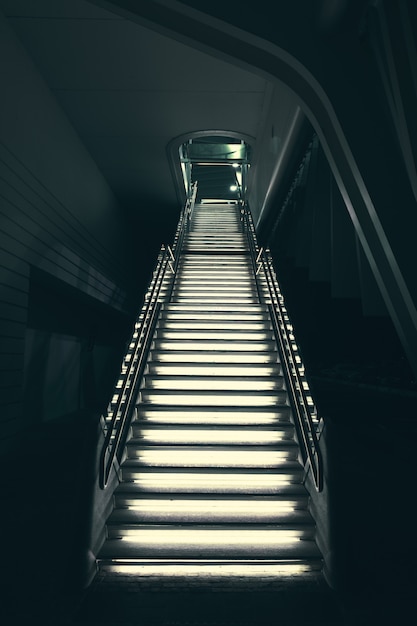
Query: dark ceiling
point(128, 91)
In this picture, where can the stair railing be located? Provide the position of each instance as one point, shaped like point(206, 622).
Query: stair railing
point(122, 407)
point(305, 416)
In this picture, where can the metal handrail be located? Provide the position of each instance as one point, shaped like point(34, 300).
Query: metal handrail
point(128, 385)
point(123, 408)
point(295, 381)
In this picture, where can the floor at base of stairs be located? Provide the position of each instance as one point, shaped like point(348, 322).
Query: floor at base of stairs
point(213, 602)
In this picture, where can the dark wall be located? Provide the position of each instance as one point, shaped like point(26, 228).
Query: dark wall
point(73, 349)
point(58, 219)
point(354, 357)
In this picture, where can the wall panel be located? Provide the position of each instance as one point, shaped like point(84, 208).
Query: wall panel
point(59, 217)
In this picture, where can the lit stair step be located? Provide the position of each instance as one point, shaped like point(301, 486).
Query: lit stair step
point(210, 369)
point(214, 324)
point(224, 241)
point(216, 237)
point(179, 354)
point(174, 480)
point(218, 569)
point(220, 335)
point(225, 316)
point(214, 276)
point(211, 456)
point(180, 383)
point(231, 266)
point(214, 345)
point(239, 258)
point(214, 298)
point(194, 509)
point(208, 541)
point(226, 309)
point(208, 398)
point(192, 278)
point(200, 289)
point(154, 414)
point(179, 434)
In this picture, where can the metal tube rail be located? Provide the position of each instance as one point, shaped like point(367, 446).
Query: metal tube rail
point(122, 412)
point(248, 229)
point(299, 401)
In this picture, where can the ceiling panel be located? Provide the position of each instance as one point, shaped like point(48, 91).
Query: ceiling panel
point(98, 54)
point(128, 91)
point(55, 8)
point(133, 114)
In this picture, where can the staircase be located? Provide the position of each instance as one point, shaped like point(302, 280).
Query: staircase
point(211, 483)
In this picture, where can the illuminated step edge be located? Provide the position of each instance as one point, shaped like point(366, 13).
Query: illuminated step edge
point(159, 456)
point(210, 324)
point(214, 334)
point(223, 544)
point(212, 568)
point(213, 345)
point(214, 299)
point(215, 482)
point(203, 415)
point(215, 370)
point(210, 284)
point(239, 398)
point(213, 383)
point(179, 354)
point(254, 308)
point(215, 316)
point(210, 435)
point(158, 514)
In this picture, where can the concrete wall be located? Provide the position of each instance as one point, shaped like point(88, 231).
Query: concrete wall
point(62, 238)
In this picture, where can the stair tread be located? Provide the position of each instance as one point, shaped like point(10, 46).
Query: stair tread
point(119, 548)
point(158, 514)
point(284, 429)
